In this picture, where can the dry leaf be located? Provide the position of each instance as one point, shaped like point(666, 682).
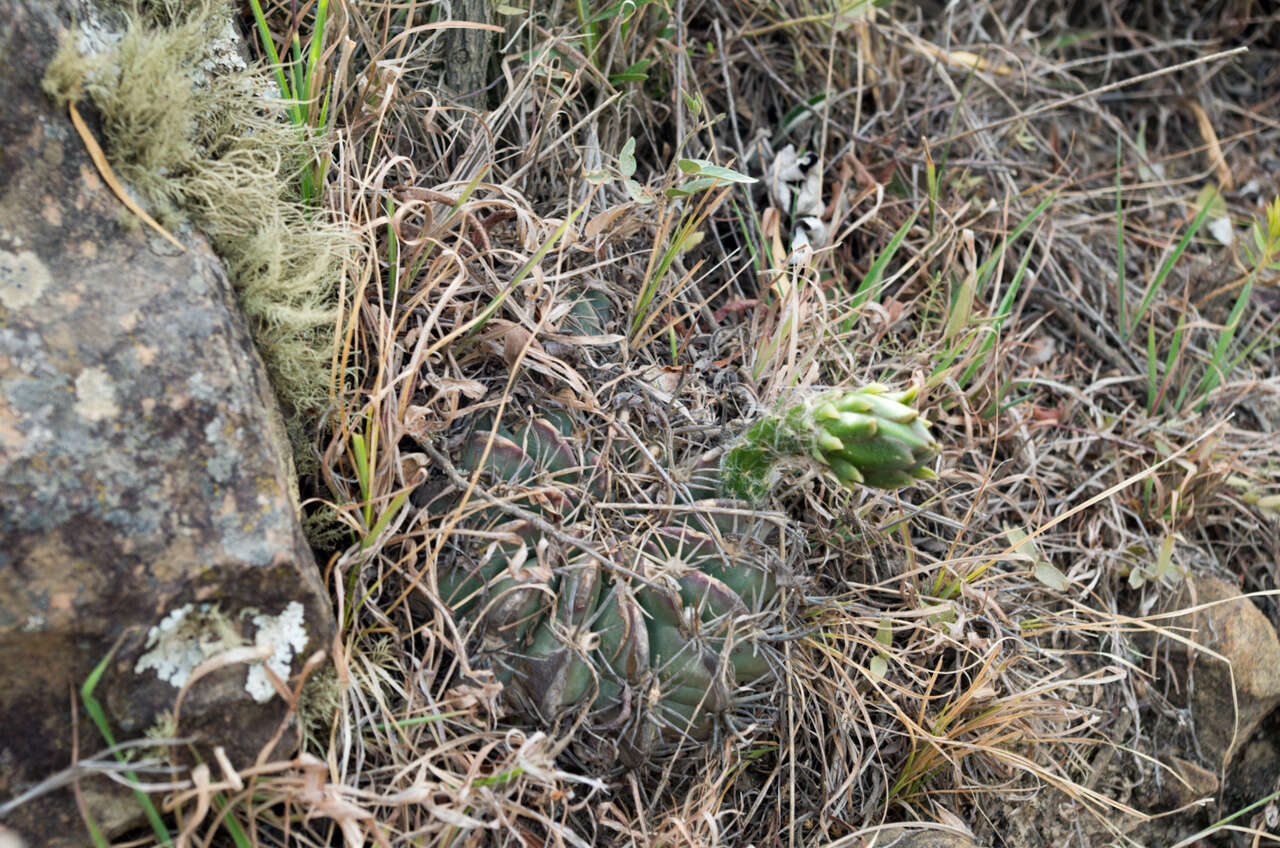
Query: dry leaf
point(517, 342)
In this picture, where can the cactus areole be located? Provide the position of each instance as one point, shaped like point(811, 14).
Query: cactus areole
point(677, 639)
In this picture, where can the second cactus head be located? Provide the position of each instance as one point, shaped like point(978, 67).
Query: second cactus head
point(868, 436)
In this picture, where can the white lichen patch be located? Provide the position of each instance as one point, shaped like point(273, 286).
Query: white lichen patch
point(95, 36)
point(195, 633)
point(184, 639)
point(23, 278)
point(223, 56)
point(96, 395)
point(287, 636)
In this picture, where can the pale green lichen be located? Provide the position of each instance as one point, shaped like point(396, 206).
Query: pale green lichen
point(96, 395)
point(23, 279)
point(212, 149)
point(319, 702)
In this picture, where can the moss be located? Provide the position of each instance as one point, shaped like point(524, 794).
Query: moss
point(213, 150)
point(318, 704)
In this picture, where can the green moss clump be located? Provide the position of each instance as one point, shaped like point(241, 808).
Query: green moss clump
point(215, 150)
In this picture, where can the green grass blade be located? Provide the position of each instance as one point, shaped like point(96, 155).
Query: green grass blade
point(524, 271)
point(417, 720)
point(296, 72)
point(590, 30)
point(650, 289)
point(868, 288)
point(758, 256)
point(1151, 369)
point(1215, 371)
point(393, 252)
point(987, 268)
point(1002, 313)
point(1194, 839)
point(317, 43)
point(496, 779)
point(233, 826)
point(99, 717)
point(1120, 283)
point(1175, 350)
point(264, 32)
point(385, 519)
point(361, 457)
point(467, 191)
point(1166, 268)
point(944, 361)
point(953, 120)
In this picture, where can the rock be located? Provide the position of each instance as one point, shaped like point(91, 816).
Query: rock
point(146, 504)
point(1255, 771)
point(1236, 630)
point(1186, 782)
point(918, 836)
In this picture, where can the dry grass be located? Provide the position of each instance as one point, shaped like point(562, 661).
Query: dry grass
point(941, 667)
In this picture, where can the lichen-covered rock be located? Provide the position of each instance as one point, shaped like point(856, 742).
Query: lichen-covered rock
point(147, 490)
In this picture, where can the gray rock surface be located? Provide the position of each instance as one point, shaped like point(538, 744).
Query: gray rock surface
point(145, 501)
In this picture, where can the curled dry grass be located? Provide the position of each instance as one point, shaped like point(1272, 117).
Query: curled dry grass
point(941, 666)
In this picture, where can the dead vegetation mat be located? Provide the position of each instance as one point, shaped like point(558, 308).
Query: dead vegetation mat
point(963, 652)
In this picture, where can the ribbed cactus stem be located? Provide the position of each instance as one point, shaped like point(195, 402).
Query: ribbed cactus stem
point(868, 436)
point(656, 660)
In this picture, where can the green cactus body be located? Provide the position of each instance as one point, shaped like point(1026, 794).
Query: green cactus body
point(867, 436)
point(665, 657)
point(660, 660)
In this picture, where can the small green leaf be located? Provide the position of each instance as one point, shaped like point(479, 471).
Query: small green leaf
point(1137, 577)
point(638, 192)
point(1273, 222)
point(1050, 576)
point(597, 177)
point(503, 9)
point(691, 187)
point(1165, 566)
point(497, 779)
point(637, 72)
point(962, 308)
point(878, 666)
point(1017, 539)
point(704, 168)
point(627, 159)
point(884, 632)
point(1043, 570)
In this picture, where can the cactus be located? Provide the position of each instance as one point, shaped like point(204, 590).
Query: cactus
point(665, 657)
point(868, 436)
point(659, 657)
